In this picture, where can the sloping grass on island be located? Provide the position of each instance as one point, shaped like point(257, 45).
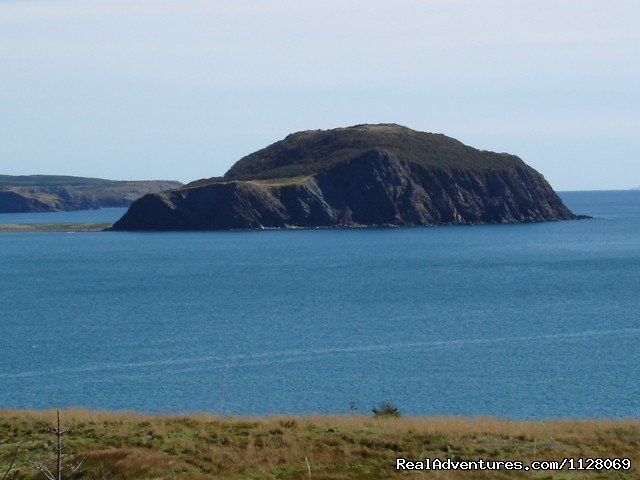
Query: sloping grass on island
point(136, 446)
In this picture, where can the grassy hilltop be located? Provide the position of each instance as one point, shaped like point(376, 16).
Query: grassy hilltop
point(314, 151)
point(133, 446)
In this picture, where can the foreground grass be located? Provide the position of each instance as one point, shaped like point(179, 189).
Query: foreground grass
point(132, 446)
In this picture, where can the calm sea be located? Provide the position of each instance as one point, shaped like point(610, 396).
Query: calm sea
point(519, 321)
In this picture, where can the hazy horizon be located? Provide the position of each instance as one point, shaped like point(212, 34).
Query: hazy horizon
point(161, 89)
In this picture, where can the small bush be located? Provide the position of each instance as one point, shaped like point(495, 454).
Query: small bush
point(386, 409)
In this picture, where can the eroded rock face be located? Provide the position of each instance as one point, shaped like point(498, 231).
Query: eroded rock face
point(377, 187)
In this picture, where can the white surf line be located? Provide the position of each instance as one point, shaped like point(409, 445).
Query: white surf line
point(286, 356)
point(434, 343)
point(114, 366)
point(292, 356)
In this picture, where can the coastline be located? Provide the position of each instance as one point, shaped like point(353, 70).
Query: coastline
point(54, 227)
point(108, 227)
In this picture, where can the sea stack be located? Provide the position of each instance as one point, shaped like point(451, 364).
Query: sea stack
point(360, 176)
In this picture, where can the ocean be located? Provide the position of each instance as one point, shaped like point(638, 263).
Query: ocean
point(515, 321)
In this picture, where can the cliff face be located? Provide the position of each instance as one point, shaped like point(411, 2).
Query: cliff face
point(370, 186)
point(12, 202)
point(46, 193)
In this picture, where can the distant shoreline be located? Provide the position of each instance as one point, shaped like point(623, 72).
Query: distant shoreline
point(106, 227)
point(54, 227)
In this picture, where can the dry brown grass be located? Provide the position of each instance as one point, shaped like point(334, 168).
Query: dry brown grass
point(132, 445)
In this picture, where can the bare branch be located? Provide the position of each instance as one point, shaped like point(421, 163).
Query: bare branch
point(306, 459)
point(76, 467)
point(42, 469)
point(13, 460)
point(69, 429)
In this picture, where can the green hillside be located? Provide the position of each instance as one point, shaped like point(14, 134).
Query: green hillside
point(53, 181)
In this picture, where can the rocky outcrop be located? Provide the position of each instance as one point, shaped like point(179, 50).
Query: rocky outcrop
point(371, 187)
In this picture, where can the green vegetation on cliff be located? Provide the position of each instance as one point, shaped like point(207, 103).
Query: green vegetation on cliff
point(316, 151)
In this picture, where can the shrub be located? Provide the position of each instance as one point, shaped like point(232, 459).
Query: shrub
point(386, 409)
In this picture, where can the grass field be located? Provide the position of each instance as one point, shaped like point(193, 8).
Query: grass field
point(132, 446)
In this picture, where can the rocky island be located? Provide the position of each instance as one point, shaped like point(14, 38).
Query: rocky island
point(50, 193)
point(365, 175)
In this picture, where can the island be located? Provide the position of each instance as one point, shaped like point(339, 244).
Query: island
point(50, 193)
point(361, 176)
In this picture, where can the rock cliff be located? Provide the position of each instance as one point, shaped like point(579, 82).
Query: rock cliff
point(367, 175)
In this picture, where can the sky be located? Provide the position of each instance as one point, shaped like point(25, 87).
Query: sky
point(180, 90)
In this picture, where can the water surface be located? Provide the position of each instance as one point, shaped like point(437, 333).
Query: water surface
point(104, 215)
point(519, 321)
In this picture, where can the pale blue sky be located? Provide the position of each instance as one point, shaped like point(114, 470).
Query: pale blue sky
point(182, 89)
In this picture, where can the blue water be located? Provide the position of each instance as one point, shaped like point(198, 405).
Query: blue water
point(105, 215)
point(519, 321)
